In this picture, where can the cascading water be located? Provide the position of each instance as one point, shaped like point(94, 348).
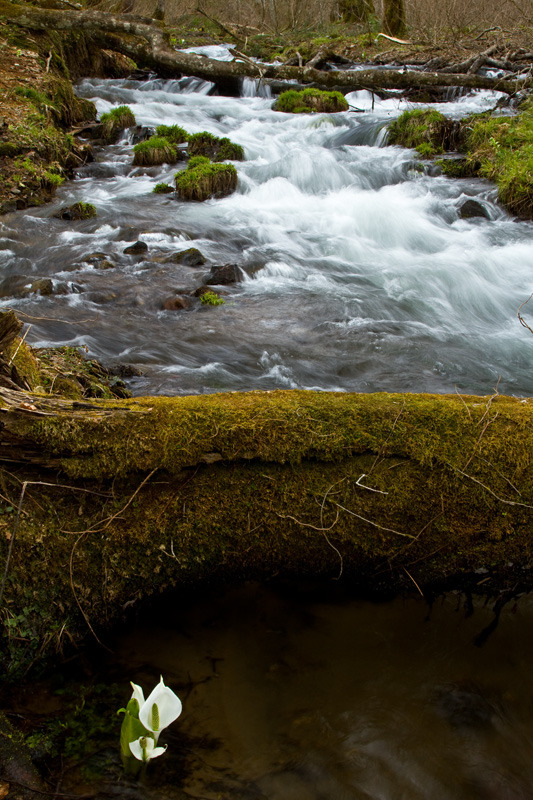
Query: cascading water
point(359, 272)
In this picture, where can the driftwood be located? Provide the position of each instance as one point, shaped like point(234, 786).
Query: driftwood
point(148, 45)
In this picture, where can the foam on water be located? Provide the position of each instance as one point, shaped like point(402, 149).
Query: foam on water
point(359, 272)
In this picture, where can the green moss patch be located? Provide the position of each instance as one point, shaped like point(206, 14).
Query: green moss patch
point(155, 150)
point(162, 188)
point(310, 101)
point(429, 132)
point(114, 122)
point(173, 133)
point(205, 144)
point(202, 180)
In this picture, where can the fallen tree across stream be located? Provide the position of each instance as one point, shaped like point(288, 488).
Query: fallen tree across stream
point(146, 42)
point(105, 503)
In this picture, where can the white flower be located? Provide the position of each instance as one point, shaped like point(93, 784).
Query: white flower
point(138, 693)
point(160, 708)
point(144, 749)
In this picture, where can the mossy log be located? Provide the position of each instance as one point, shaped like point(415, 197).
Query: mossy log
point(123, 499)
point(147, 44)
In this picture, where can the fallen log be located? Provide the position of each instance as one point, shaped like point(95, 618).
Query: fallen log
point(148, 45)
point(108, 502)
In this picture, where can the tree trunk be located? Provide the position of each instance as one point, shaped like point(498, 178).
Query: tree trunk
point(122, 499)
point(147, 44)
point(394, 17)
point(352, 11)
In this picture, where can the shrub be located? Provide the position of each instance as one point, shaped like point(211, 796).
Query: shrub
point(310, 101)
point(205, 144)
point(202, 179)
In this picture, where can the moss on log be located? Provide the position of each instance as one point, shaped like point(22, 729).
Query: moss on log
point(124, 499)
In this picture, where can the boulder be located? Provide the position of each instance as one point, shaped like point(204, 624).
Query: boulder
point(473, 208)
point(223, 275)
point(189, 258)
point(136, 249)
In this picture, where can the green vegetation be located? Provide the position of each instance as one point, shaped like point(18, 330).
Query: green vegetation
point(310, 101)
point(429, 132)
point(78, 211)
point(202, 179)
point(173, 133)
point(114, 122)
point(214, 148)
point(211, 299)
point(155, 150)
point(162, 188)
point(499, 148)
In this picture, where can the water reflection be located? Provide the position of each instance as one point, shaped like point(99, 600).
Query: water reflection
point(291, 697)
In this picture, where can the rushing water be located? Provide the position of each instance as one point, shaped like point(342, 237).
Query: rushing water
point(358, 271)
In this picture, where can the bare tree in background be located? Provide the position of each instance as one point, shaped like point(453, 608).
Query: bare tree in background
point(352, 11)
point(394, 17)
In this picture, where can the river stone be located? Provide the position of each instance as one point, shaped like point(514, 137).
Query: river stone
point(136, 249)
point(43, 286)
point(99, 261)
point(189, 258)
point(141, 133)
point(176, 303)
point(473, 208)
point(223, 275)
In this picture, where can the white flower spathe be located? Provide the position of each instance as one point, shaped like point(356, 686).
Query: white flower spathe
point(144, 749)
point(160, 708)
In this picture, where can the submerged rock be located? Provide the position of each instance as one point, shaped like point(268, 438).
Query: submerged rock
point(176, 303)
point(189, 258)
point(77, 211)
point(473, 208)
point(223, 275)
point(136, 249)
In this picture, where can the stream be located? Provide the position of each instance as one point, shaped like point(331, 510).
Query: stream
point(358, 272)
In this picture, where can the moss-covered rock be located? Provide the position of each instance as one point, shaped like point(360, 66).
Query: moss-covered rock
point(205, 144)
point(173, 133)
point(113, 122)
point(77, 211)
point(156, 150)
point(310, 101)
point(162, 188)
point(428, 131)
point(202, 180)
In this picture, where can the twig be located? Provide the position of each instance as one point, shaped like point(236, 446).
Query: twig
point(94, 529)
point(489, 422)
point(48, 61)
point(520, 317)
point(18, 348)
point(463, 402)
point(54, 319)
point(488, 30)
point(501, 499)
point(363, 486)
point(415, 583)
point(12, 540)
point(375, 524)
